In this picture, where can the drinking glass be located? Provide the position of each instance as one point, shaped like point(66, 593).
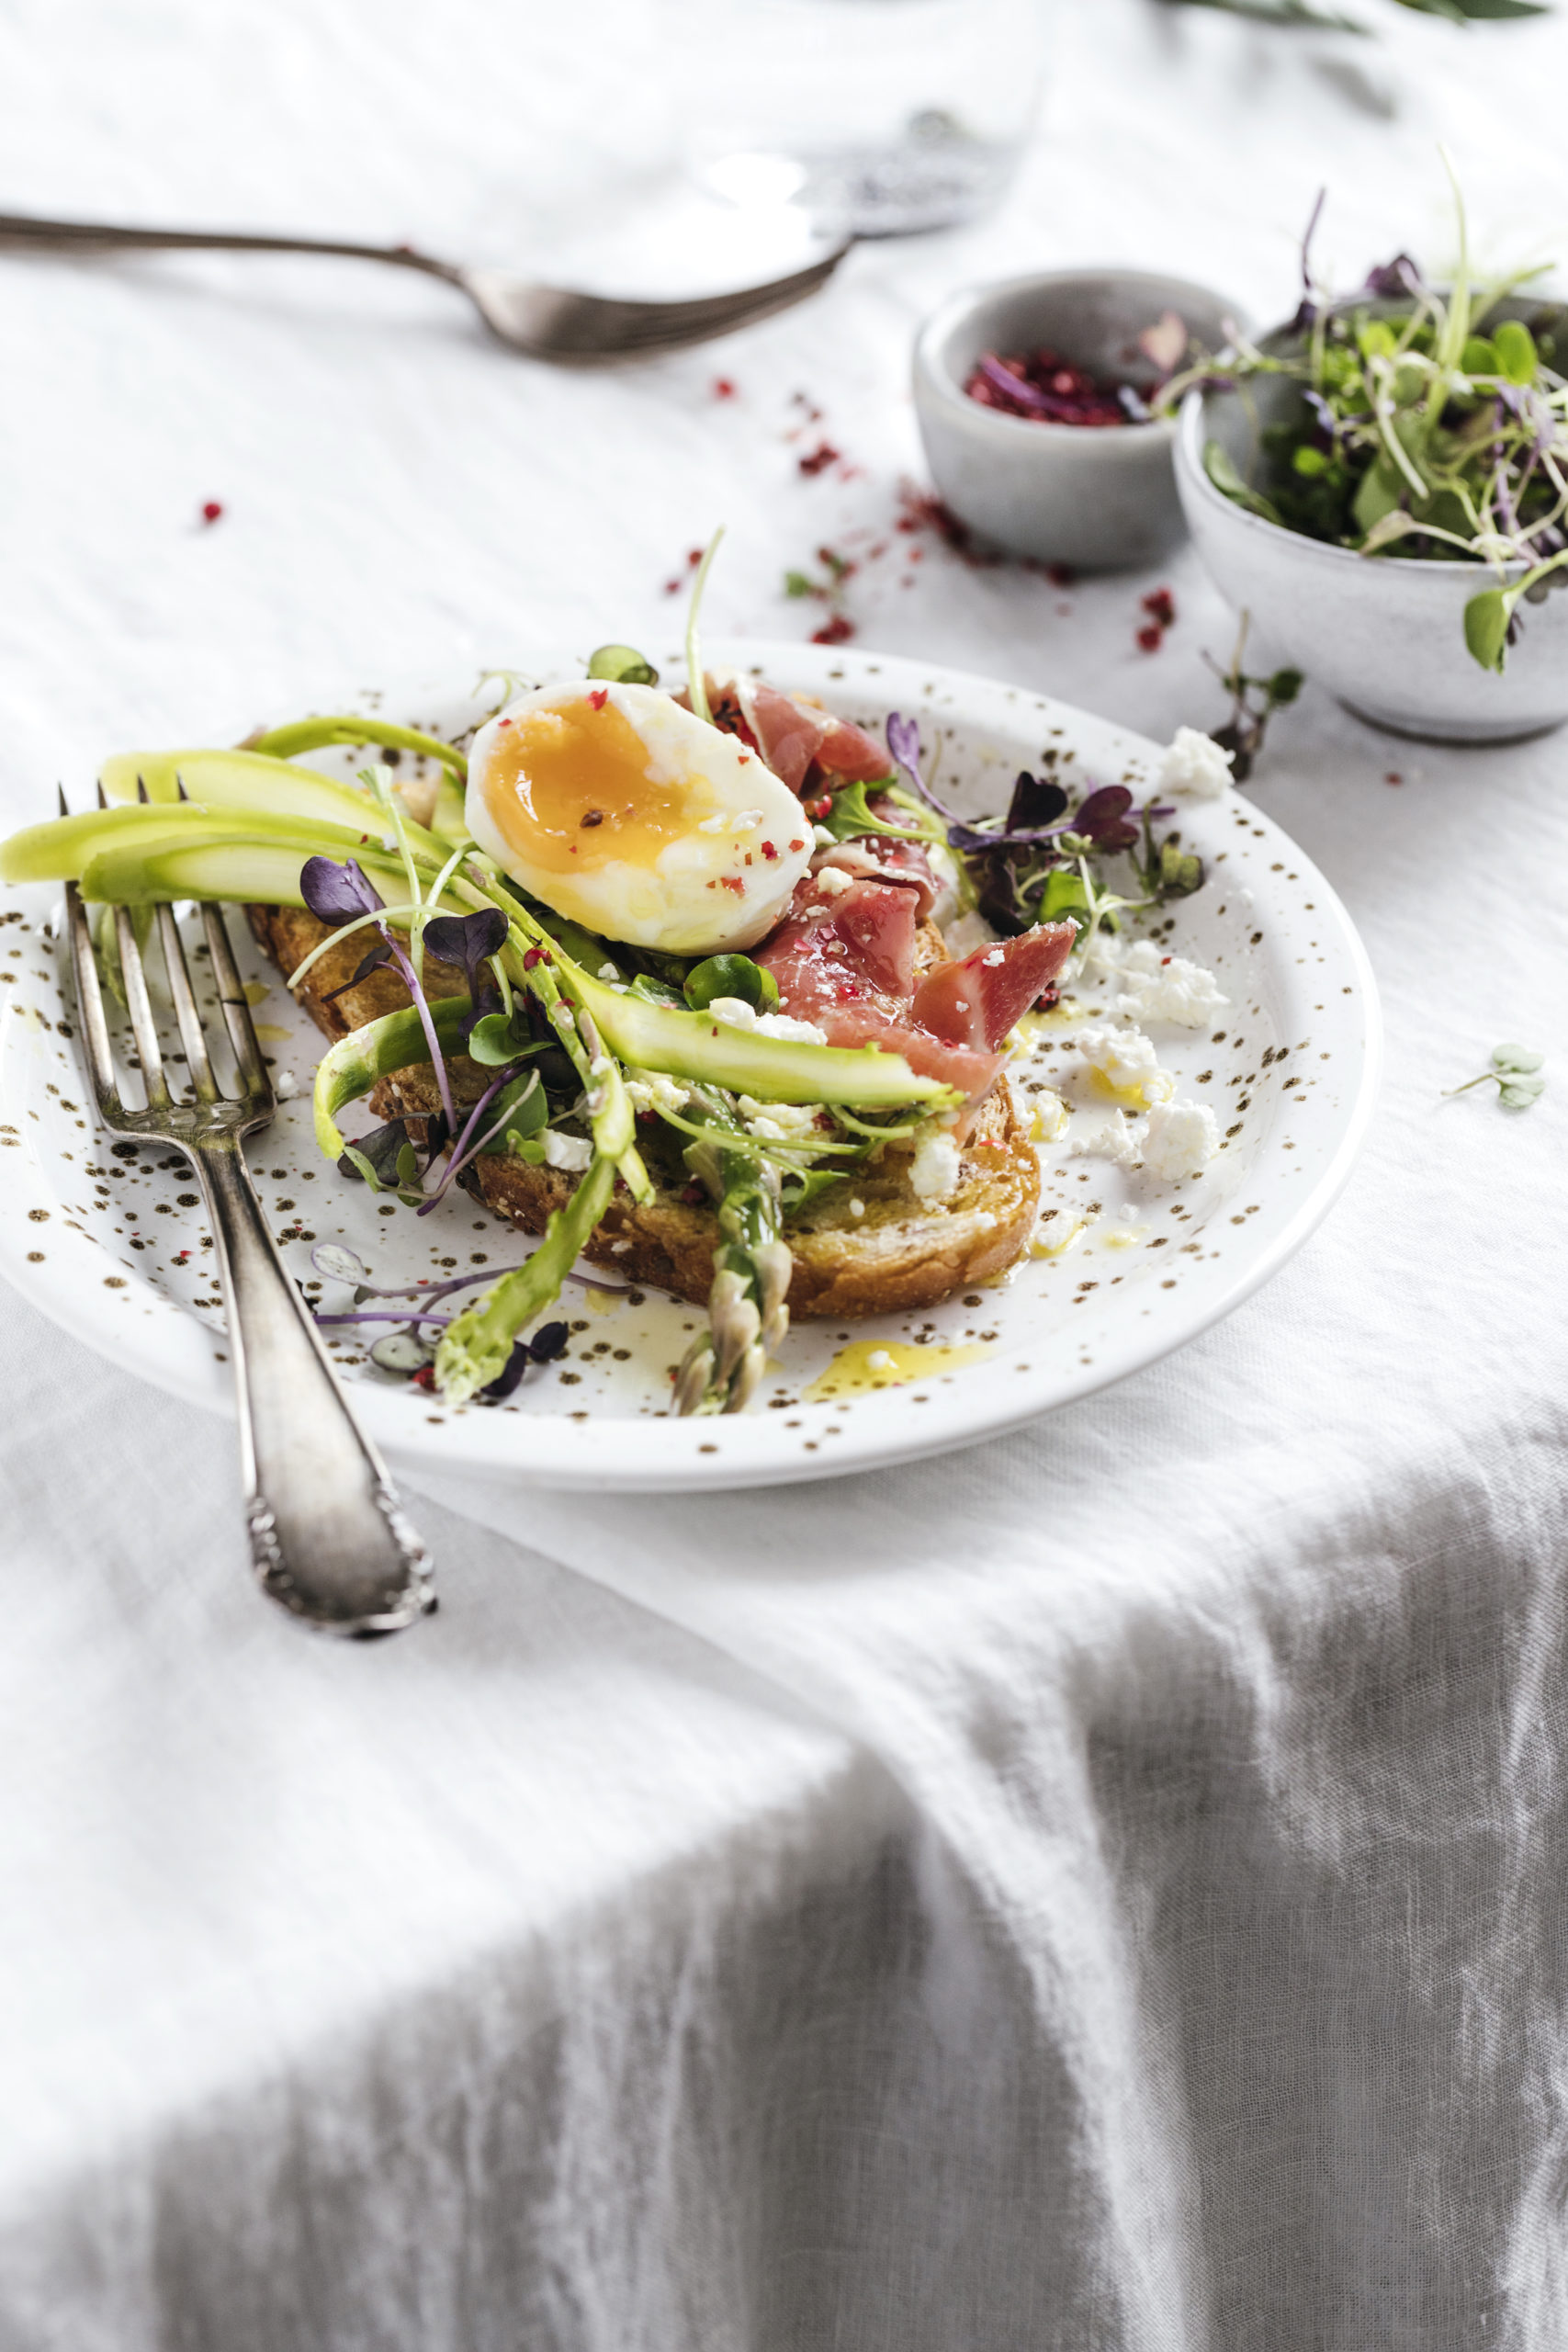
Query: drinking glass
point(877, 117)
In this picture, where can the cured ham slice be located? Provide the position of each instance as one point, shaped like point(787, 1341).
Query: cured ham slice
point(975, 1002)
point(879, 857)
point(845, 959)
point(800, 741)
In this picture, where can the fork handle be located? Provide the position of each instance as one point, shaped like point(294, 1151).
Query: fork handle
point(328, 1538)
point(21, 229)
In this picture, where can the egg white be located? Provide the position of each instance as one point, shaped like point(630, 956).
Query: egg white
point(696, 894)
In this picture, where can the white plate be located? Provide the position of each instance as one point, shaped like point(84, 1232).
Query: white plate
point(91, 1232)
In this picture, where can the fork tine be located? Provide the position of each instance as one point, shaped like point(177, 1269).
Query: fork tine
point(187, 1012)
point(90, 1003)
point(142, 1026)
point(232, 996)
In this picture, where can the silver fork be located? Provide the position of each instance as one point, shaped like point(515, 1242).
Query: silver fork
point(329, 1541)
point(546, 321)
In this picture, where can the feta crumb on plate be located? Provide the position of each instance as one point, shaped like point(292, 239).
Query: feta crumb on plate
point(832, 880)
point(1126, 1059)
point(1165, 988)
point(1195, 764)
point(1116, 1139)
point(1180, 1138)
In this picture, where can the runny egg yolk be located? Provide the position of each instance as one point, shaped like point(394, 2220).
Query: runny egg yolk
point(570, 789)
point(634, 818)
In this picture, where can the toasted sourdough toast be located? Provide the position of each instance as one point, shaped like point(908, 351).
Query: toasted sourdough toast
point(897, 1254)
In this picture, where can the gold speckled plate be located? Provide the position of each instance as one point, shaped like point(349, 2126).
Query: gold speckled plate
point(108, 1240)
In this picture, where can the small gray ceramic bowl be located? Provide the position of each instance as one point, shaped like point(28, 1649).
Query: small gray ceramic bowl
point(1384, 633)
point(1101, 499)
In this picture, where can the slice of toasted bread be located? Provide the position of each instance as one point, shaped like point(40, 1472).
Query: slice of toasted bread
point(869, 1247)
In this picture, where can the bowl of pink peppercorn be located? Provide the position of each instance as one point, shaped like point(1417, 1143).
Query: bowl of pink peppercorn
point(1036, 405)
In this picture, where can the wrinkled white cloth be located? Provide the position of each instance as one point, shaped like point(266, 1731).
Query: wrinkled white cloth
point(1101, 1891)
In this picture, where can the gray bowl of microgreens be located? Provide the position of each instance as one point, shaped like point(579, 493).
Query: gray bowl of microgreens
point(1036, 405)
point(1377, 486)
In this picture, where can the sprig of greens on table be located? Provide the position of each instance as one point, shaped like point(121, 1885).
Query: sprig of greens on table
point(1515, 1072)
point(1303, 13)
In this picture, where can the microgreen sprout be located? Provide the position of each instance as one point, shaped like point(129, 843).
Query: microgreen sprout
point(696, 683)
point(1254, 701)
point(623, 665)
point(1515, 1072)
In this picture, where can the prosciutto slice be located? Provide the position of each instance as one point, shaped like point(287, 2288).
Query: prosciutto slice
point(975, 1002)
point(800, 741)
point(845, 959)
point(879, 857)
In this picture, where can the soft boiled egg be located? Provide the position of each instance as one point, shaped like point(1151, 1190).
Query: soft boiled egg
point(637, 819)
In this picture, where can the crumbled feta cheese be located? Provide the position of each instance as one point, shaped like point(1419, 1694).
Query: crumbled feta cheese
point(608, 972)
point(571, 1152)
point(657, 1092)
point(285, 1085)
point(879, 1361)
point(1167, 988)
point(833, 881)
point(970, 931)
point(619, 1249)
point(995, 956)
point(1049, 1118)
point(1117, 1139)
point(737, 1014)
point(1180, 1138)
point(933, 1172)
point(783, 1025)
point(1195, 764)
point(778, 1122)
point(857, 1208)
point(986, 1219)
point(1125, 1059)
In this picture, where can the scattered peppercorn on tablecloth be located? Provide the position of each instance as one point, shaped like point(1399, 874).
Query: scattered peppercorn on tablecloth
point(1103, 1890)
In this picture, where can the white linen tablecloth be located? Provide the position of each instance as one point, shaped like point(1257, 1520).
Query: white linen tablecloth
point(1101, 1890)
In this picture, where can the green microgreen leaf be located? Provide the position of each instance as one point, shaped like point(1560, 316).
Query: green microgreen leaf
point(732, 976)
point(1219, 467)
point(1486, 618)
point(623, 665)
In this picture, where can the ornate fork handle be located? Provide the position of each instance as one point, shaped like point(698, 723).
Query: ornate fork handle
point(328, 1540)
point(18, 228)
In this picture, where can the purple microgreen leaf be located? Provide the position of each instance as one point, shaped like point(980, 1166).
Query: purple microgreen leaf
point(1035, 802)
point(1103, 819)
point(336, 894)
point(548, 1341)
point(1393, 278)
point(517, 1364)
point(467, 940)
point(379, 956)
point(374, 1158)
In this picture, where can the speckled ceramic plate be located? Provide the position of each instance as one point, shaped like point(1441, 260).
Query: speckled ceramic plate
point(108, 1240)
